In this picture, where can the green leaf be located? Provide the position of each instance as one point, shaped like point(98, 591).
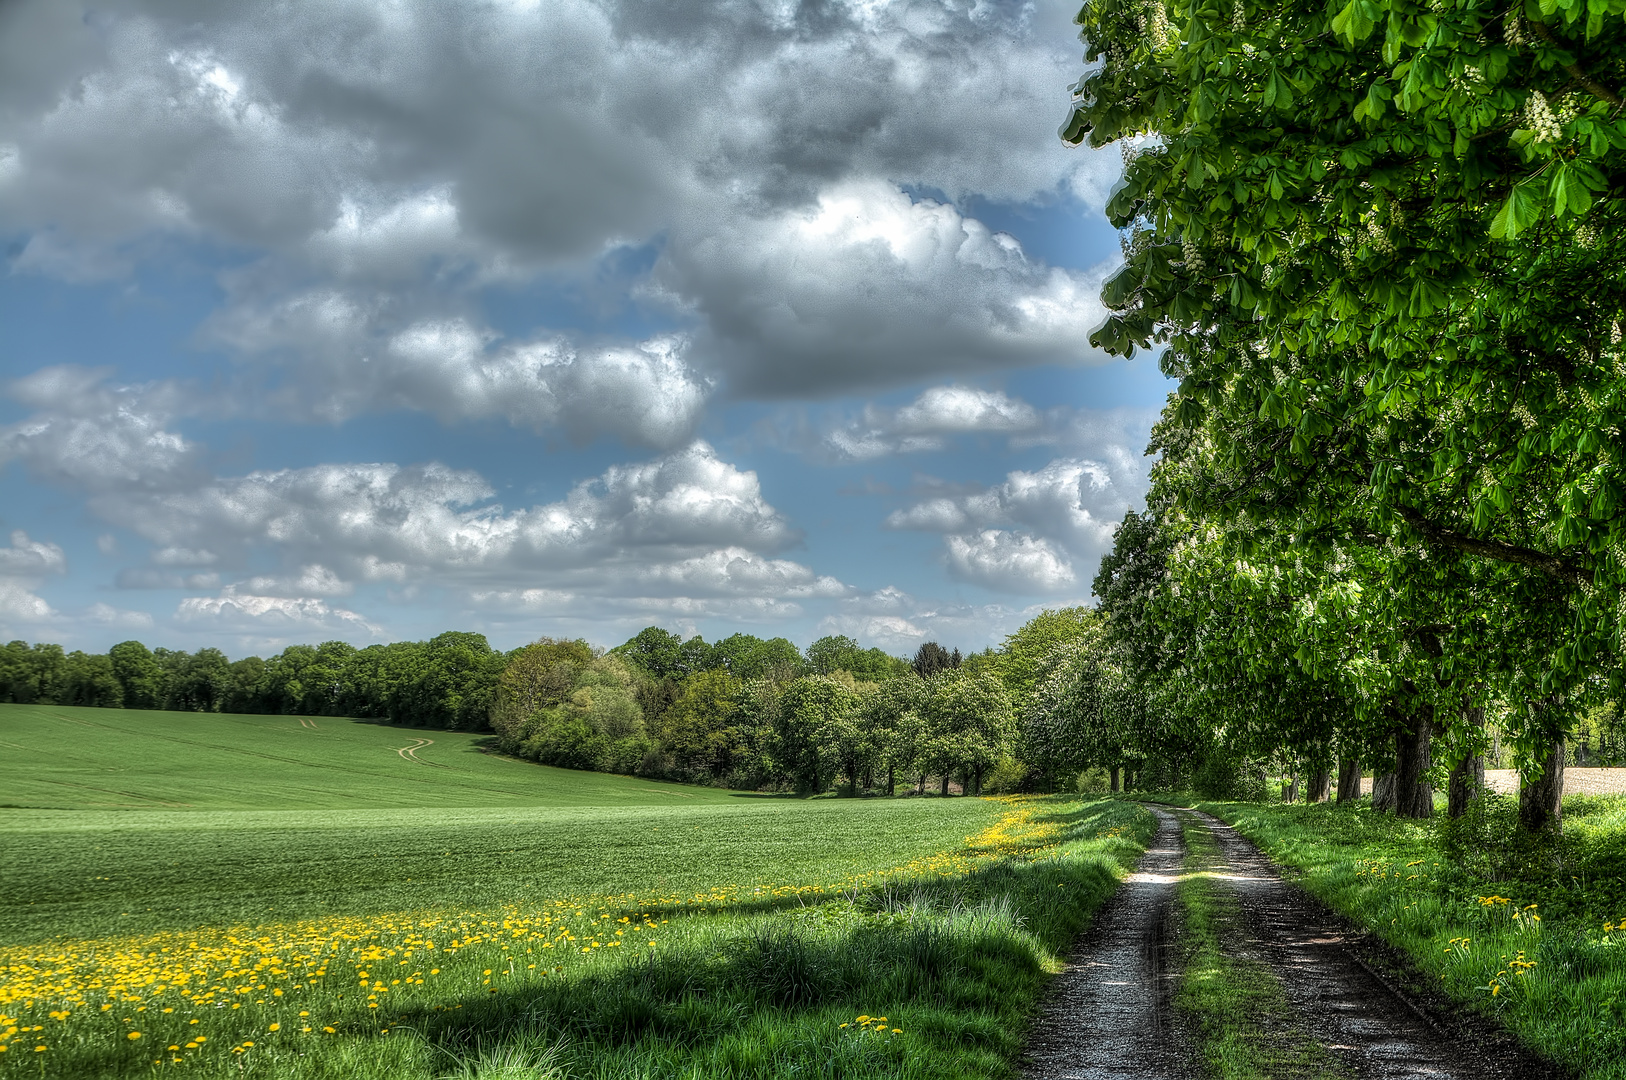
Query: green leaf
point(1518, 213)
point(1352, 23)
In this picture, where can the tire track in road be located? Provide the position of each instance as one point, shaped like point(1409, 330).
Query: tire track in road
point(1364, 1020)
point(1108, 1014)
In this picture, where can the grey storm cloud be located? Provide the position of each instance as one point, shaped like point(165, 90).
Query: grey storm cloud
point(386, 162)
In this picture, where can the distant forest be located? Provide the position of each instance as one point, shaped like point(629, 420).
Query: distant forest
point(447, 682)
point(742, 712)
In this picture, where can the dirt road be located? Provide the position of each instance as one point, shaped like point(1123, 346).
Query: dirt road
point(1108, 1014)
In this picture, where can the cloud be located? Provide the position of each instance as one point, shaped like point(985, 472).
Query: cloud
point(350, 354)
point(1005, 560)
point(23, 566)
point(1029, 533)
point(684, 524)
point(869, 286)
point(380, 167)
point(276, 617)
point(925, 423)
point(88, 434)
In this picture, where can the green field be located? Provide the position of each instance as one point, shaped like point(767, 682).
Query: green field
point(63, 757)
point(296, 901)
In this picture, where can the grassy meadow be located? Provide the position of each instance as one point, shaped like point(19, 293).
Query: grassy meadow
point(520, 921)
point(68, 758)
point(1534, 936)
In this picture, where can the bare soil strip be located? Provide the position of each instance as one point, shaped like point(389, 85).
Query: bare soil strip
point(1108, 1013)
point(410, 753)
point(1350, 992)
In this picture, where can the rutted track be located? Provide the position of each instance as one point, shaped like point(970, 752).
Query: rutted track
point(1366, 1020)
point(1108, 1013)
point(410, 753)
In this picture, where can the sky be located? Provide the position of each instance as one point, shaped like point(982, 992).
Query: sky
point(371, 320)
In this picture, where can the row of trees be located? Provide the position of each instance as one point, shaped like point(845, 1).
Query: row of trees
point(1381, 241)
point(742, 710)
point(446, 682)
point(839, 714)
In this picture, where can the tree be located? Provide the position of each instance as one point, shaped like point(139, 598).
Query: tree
point(700, 729)
point(1339, 239)
point(141, 678)
point(664, 655)
point(931, 658)
point(971, 724)
point(812, 712)
point(892, 727)
point(829, 655)
point(538, 676)
point(747, 657)
point(1024, 653)
point(88, 679)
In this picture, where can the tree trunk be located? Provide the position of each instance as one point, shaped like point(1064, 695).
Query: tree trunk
point(1115, 774)
point(1541, 792)
point(1383, 793)
point(1414, 795)
point(1349, 779)
point(945, 783)
point(1320, 785)
point(1293, 788)
point(976, 780)
point(891, 781)
point(1468, 772)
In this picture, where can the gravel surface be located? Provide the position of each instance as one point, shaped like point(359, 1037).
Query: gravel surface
point(1108, 1014)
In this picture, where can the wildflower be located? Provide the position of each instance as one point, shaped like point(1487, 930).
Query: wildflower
point(133, 1035)
point(1539, 115)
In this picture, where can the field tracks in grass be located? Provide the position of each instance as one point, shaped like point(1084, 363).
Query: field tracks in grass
point(410, 753)
point(307, 722)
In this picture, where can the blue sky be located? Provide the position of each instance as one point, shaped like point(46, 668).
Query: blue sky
point(370, 321)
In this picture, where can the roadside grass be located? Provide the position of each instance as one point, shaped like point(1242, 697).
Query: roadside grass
point(1246, 1026)
point(807, 953)
point(1533, 935)
point(75, 758)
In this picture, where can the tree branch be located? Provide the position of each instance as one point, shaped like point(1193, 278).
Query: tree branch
point(1551, 565)
point(1592, 86)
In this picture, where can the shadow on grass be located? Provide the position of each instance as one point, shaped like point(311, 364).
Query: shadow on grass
point(954, 964)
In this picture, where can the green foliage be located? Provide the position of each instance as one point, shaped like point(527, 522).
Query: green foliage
point(815, 721)
point(1025, 655)
point(1382, 242)
point(971, 724)
point(829, 655)
point(702, 729)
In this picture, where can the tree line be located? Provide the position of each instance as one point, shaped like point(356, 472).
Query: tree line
point(742, 711)
point(748, 713)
